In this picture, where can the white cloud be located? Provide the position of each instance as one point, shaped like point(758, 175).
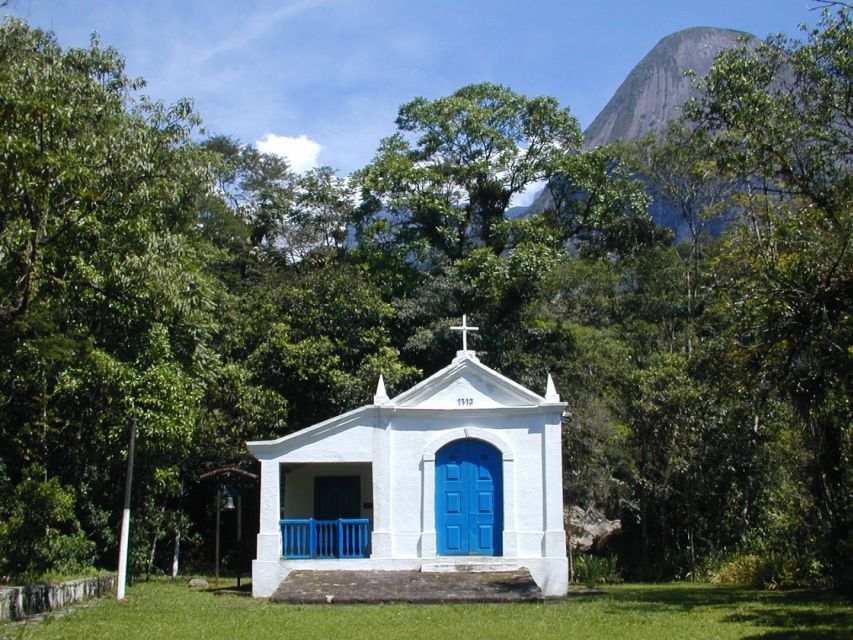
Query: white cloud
point(301, 153)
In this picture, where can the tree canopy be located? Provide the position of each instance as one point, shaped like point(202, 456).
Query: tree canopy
point(448, 176)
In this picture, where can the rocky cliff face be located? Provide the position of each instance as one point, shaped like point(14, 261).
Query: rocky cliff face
point(653, 93)
point(652, 96)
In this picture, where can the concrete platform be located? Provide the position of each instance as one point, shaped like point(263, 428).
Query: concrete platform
point(361, 587)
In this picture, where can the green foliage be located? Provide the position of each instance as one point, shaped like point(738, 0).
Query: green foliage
point(324, 205)
point(448, 176)
point(593, 570)
point(106, 307)
point(254, 187)
point(42, 534)
point(770, 570)
point(778, 117)
point(685, 175)
point(743, 569)
point(599, 205)
point(321, 339)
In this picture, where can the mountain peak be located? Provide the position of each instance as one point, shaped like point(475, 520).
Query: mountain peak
point(653, 93)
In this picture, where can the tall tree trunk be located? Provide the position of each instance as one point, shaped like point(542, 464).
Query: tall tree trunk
point(829, 490)
point(155, 538)
point(692, 554)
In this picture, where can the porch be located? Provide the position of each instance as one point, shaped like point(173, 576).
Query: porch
point(325, 510)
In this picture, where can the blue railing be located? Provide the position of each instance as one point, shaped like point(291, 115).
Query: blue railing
point(310, 538)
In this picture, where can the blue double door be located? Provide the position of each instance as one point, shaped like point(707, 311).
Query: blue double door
point(468, 499)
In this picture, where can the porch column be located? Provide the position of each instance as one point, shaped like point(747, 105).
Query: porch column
point(269, 535)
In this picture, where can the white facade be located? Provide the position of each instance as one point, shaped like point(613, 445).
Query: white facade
point(391, 447)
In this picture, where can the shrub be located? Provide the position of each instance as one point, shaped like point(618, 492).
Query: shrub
point(42, 535)
point(594, 570)
point(743, 569)
point(772, 571)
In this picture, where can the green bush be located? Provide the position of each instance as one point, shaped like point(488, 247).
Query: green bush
point(772, 571)
point(743, 569)
point(594, 570)
point(42, 535)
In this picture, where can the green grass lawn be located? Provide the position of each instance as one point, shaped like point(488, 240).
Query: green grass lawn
point(161, 609)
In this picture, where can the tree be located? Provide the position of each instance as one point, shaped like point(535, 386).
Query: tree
point(448, 176)
point(599, 206)
point(106, 306)
point(257, 187)
point(323, 207)
point(780, 119)
point(42, 532)
point(320, 338)
point(683, 173)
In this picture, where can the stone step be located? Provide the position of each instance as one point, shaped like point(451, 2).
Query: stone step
point(468, 567)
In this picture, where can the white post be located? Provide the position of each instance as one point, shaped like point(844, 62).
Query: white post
point(125, 516)
point(177, 555)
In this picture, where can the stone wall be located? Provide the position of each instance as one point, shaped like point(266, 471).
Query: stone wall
point(17, 603)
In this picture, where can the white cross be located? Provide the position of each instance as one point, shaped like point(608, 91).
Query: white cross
point(465, 329)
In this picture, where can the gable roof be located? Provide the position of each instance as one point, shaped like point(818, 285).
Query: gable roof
point(310, 434)
point(466, 383)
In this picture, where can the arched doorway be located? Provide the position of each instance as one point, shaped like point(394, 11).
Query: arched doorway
point(468, 499)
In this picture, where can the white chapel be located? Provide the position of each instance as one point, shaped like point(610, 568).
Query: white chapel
point(461, 472)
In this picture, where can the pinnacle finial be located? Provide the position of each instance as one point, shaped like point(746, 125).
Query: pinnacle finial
point(551, 394)
point(381, 396)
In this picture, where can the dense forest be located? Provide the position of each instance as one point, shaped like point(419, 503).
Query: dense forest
point(149, 270)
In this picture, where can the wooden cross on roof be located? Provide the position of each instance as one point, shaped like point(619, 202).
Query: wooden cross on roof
point(465, 329)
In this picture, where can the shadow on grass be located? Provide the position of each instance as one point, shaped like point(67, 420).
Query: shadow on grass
point(244, 589)
point(792, 615)
point(825, 624)
point(794, 634)
point(683, 597)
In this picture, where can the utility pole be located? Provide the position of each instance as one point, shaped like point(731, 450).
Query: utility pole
point(125, 516)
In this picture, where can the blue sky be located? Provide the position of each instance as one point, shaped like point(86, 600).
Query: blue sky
point(321, 80)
